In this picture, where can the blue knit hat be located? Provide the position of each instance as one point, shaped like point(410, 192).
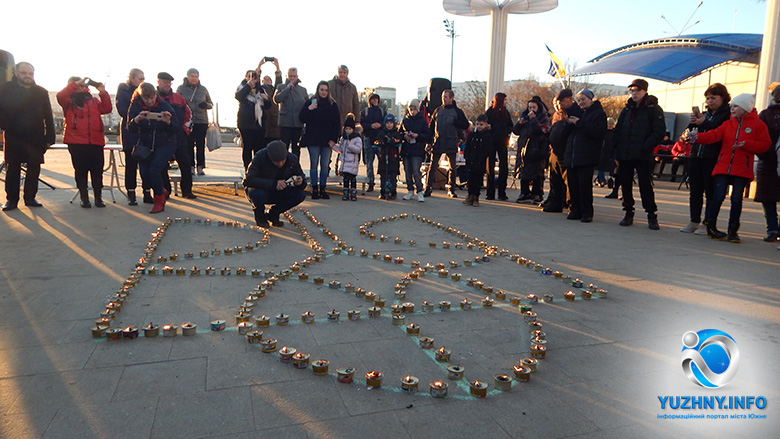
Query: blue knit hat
point(390, 118)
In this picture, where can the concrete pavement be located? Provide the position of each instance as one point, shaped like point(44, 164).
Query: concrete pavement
point(608, 359)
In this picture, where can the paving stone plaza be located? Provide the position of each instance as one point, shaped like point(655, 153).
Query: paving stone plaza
point(604, 362)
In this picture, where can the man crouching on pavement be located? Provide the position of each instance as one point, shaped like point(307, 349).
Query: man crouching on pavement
point(274, 177)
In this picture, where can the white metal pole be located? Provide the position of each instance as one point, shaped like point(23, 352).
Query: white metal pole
point(495, 81)
point(769, 66)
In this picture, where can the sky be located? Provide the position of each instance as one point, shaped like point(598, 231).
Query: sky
point(391, 43)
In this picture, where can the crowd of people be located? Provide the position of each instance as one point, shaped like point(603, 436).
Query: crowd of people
point(278, 118)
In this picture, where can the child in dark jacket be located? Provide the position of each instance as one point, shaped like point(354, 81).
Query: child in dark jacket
point(389, 145)
point(478, 147)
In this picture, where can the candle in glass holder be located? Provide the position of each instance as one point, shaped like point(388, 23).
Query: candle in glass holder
point(522, 372)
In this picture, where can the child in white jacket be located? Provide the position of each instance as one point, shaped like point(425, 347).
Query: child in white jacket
point(349, 148)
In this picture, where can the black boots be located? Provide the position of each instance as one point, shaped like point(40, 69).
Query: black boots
point(84, 195)
point(652, 221)
point(628, 219)
point(324, 195)
point(315, 192)
point(99, 198)
point(131, 200)
point(148, 199)
point(732, 236)
point(713, 232)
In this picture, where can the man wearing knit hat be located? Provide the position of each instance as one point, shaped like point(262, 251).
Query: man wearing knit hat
point(183, 115)
point(640, 127)
point(274, 177)
point(199, 101)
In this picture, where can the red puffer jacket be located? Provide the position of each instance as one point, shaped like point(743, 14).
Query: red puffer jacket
point(738, 161)
point(83, 126)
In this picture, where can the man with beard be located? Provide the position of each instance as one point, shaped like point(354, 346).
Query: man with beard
point(183, 114)
point(26, 119)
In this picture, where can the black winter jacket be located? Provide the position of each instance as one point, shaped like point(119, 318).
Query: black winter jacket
point(501, 125)
point(152, 131)
point(415, 124)
point(712, 120)
point(640, 127)
point(583, 147)
point(262, 173)
point(322, 123)
point(560, 130)
point(479, 145)
point(246, 106)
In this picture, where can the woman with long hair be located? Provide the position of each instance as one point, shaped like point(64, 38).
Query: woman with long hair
point(703, 157)
point(500, 120)
point(320, 114)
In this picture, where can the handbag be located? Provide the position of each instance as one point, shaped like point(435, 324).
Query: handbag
point(142, 152)
point(213, 136)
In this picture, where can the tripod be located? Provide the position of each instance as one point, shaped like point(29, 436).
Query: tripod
point(24, 171)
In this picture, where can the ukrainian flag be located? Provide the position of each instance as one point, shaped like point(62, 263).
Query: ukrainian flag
point(556, 66)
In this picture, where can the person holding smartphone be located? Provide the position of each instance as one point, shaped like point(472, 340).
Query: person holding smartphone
point(84, 134)
point(321, 116)
point(158, 134)
point(703, 157)
point(253, 101)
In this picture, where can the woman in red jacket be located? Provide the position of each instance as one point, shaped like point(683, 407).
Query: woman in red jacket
point(742, 136)
point(84, 134)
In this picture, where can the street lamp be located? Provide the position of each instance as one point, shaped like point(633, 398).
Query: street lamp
point(449, 27)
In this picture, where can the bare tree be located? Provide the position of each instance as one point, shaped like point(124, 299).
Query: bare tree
point(471, 98)
point(521, 92)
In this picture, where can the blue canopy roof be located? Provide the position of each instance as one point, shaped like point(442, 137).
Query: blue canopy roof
point(676, 59)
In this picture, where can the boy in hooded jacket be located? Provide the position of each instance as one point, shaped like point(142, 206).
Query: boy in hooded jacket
point(389, 145)
point(478, 146)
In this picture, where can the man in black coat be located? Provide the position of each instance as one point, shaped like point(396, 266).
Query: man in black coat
point(274, 177)
point(26, 119)
point(639, 128)
point(559, 135)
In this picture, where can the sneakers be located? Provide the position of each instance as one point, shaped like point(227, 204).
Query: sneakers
point(452, 194)
point(537, 199)
point(420, 197)
point(692, 227)
point(200, 170)
point(408, 196)
point(701, 230)
point(524, 198)
point(771, 236)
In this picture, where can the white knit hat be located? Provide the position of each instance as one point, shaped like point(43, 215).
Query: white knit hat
point(745, 101)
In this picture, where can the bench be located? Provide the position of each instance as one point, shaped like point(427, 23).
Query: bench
point(223, 176)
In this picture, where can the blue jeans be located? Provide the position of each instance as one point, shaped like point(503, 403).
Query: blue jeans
point(412, 169)
point(319, 156)
point(720, 186)
point(369, 153)
point(151, 168)
point(282, 200)
point(770, 215)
